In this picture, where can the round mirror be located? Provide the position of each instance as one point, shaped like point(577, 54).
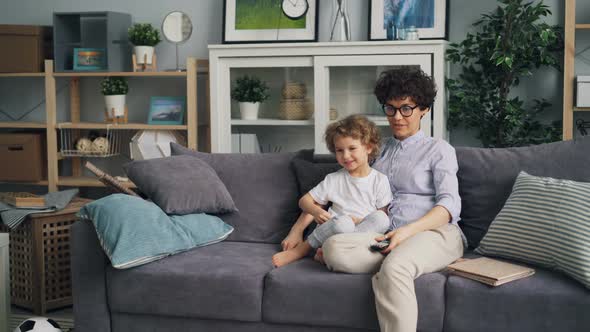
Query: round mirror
point(177, 27)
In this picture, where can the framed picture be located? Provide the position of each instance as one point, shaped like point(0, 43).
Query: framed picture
point(267, 21)
point(428, 16)
point(167, 110)
point(90, 59)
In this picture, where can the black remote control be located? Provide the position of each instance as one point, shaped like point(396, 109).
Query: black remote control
point(380, 246)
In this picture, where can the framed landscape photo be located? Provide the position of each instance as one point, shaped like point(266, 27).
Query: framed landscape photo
point(428, 16)
point(267, 21)
point(90, 59)
point(167, 110)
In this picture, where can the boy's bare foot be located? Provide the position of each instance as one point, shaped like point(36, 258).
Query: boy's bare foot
point(319, 256)
point(285, 257)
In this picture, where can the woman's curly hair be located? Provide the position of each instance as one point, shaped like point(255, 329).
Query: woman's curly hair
point(404, 82)
point(357, 127)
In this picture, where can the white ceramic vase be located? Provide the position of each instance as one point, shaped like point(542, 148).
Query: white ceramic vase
point(116, 103)
point(249, 111)
point(144, 54)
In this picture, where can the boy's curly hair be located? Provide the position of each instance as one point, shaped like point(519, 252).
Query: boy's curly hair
point(404, 82)
point(357, 127)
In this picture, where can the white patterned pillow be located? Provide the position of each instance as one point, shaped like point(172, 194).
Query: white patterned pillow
point(546, 222)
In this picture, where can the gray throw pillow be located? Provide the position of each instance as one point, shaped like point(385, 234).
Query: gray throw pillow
point(181, 185)
point(310, 174)
point(545, 222)
point(486, 177)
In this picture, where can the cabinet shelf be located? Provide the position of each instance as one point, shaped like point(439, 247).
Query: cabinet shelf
point(122, 73)
point(86, 181)
point(125, 126)
point(22, 74)
point(582, 109)
point(582, 26)
point(271, 122)
point(24, 125)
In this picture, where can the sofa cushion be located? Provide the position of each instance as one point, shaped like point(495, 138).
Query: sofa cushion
point(305, 292)
point(544, 302)
point(181, 185)
point(486, 177)
point(545, 222)
point(264, 189)
point(221, 281)
point(310, 174)
point(133, 231)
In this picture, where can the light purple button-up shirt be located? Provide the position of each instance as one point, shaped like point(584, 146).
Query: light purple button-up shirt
point(422, 173)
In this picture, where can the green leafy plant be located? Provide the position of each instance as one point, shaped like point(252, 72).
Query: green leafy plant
point(143, 34)
point(250, 89)
point(508, 44)
point(114, 86)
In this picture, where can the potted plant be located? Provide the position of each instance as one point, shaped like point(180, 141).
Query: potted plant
point(114, 90)
point(249, 92)
point(508, 45)
point(144, 37)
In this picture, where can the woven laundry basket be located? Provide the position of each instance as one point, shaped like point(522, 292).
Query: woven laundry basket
point(294, 90)
point(295, 109)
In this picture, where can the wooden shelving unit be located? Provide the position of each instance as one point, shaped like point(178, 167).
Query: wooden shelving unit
point(569, 70)
point(51, 126)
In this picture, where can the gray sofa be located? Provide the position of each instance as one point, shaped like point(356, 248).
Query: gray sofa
point(232, 285)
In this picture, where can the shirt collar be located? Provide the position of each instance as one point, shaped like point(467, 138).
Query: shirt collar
point(410, 140)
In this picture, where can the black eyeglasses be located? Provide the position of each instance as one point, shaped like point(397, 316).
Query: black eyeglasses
point(405, 110)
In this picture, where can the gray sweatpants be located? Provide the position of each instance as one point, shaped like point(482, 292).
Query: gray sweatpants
point(377, 222)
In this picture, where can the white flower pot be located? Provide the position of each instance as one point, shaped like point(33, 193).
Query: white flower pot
point(141, 52)
point(249, 111)
point(116, 103)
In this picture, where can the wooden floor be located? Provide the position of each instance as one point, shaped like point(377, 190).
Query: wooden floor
point(64, 317)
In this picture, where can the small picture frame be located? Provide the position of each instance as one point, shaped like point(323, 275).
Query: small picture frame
point(167, 110)
point(428, 16)
point(267, 22)
point(90, 59)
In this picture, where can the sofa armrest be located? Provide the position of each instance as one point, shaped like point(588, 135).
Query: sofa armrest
point(88, 265)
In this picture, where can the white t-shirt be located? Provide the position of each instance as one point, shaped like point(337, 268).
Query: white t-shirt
point(353, 196)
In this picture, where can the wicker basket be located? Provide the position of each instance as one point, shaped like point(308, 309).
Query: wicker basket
point(295, 109)
point(294, 90)
point(40, 259)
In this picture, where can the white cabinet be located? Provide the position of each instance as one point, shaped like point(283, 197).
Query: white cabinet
point(339, 79)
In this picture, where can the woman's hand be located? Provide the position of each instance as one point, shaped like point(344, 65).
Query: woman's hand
point(321, 216)
point(292, 240)
point(395, 237)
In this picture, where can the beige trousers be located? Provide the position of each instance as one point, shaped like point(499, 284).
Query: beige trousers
point(393, 283)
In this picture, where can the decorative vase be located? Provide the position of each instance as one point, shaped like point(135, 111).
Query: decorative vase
point(115, 105)
point(249, 111)
point(144, 54)
point(341, 25)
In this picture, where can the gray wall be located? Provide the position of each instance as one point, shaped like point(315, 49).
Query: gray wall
point(207, 18)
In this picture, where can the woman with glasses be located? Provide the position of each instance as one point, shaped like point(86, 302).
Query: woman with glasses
point(423, 235)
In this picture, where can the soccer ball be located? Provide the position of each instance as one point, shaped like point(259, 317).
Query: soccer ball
point(38, 324)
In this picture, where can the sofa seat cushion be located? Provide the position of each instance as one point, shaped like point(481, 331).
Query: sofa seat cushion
point(547, 301)
point(305, 292)
point(220, 281)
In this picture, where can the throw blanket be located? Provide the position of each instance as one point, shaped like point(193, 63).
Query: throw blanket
point(12, 216)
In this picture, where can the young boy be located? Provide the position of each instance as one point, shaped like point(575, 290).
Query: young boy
point(359, 194)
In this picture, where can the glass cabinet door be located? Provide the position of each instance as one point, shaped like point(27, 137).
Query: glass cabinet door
point(344, 86)
point(284, 122)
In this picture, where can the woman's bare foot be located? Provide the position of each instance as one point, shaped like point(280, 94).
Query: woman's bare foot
point(285, 257)
point(319, 256)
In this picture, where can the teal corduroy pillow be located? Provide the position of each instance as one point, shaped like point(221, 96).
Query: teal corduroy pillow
point(545, 222)
point(133, 231)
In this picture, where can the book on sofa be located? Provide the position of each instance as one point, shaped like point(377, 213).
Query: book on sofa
point(490, 271)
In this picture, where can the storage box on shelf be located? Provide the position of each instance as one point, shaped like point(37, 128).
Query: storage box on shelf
point(25, 48)
point(68, 131)
point(312, 84)
point(98, 30)
point(40, 259)
point(23, 157)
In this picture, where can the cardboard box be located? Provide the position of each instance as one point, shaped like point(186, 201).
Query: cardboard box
point(583, 91)
point(24, 48)
point(23, 157)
